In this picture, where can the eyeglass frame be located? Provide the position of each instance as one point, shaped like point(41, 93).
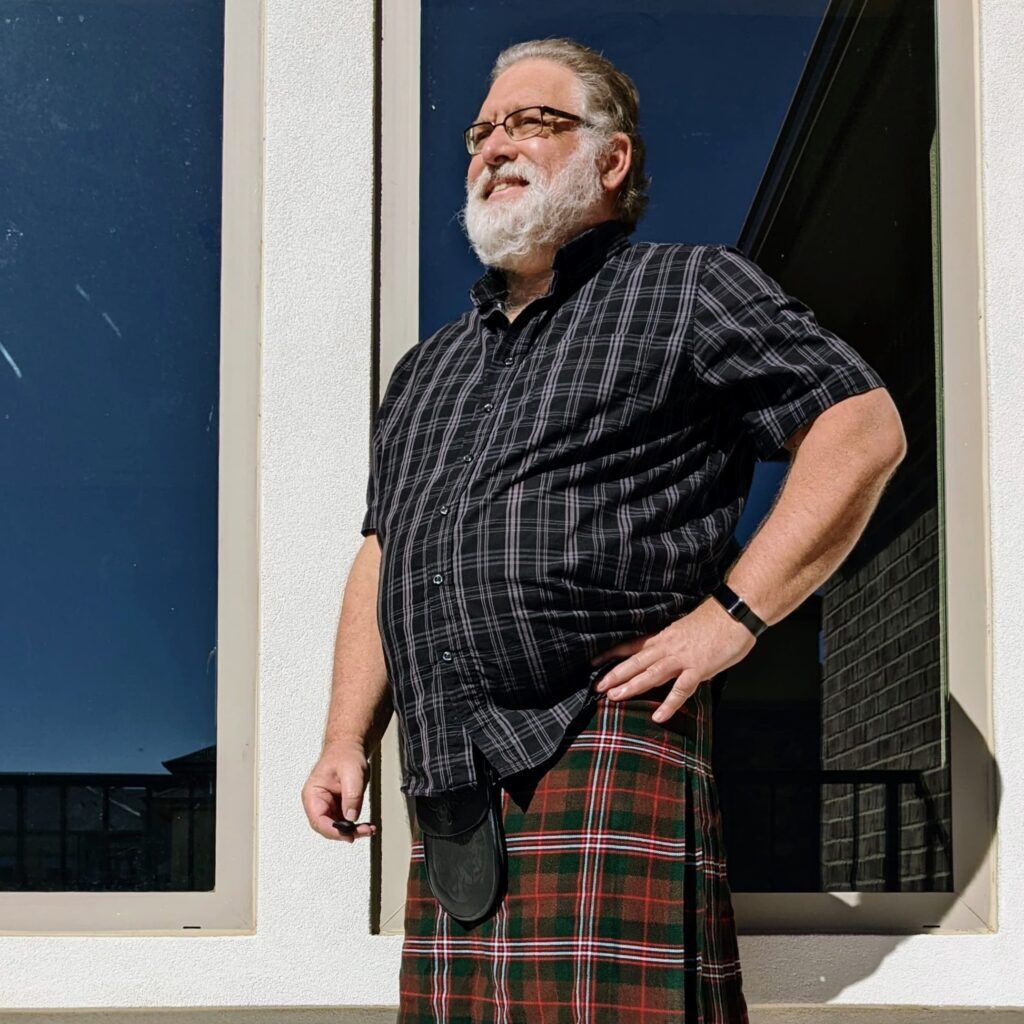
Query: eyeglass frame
point(533, 106)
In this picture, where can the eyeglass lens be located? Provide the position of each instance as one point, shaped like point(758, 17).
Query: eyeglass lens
point(520, 124)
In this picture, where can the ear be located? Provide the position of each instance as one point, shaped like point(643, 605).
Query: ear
point(616, 161)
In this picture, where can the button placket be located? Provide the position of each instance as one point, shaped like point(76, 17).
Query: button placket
point(444, 613)
point(491, 379)
point(465, 692)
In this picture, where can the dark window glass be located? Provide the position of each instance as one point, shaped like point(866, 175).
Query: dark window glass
point(8, 860)
point(42, 808)
point(8, 808)
point(41, 861)
point(85, 808)
point(127, 809)
point(111, 121)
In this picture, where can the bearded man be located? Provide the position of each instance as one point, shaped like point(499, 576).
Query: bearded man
point(549, 588)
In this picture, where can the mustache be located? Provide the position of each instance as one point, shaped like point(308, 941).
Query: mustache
point(487, 181)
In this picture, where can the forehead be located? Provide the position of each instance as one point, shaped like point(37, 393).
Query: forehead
point(530, 83)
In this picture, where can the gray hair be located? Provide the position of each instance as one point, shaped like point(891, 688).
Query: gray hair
point(609, 100)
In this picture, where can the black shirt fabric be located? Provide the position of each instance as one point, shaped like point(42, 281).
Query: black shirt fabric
point(545, 489)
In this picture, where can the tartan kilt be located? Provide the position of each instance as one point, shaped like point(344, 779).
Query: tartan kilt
point(617, 907)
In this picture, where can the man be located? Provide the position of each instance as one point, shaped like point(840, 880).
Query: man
point(557, 476)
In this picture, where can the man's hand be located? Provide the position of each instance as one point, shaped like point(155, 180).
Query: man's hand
point(335, 786)
point(695, 647)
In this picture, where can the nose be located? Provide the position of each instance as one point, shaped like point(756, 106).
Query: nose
point(497, 148)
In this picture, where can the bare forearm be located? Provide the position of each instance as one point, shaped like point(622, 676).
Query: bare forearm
point(360, 706)
point(834, 484)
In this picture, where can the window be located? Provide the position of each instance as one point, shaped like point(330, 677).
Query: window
point(852, 747)
point(129, 379)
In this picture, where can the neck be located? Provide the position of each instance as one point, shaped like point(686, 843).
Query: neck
point(531, 276)
point(525, 286)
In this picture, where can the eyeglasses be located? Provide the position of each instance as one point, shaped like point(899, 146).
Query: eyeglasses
point(520, 124)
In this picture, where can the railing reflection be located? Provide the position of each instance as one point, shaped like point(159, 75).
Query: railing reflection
point(106, 832)
point(735, 786)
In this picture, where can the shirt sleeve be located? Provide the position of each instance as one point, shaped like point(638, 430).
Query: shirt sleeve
point(766, 354)
point(370, 515)
point(396, 386)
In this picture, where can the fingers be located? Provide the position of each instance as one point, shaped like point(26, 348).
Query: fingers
point(353, 783)
point(654, 677)
point(323, 827)
point(318, 803)
point(682, 690)
point(629, 672)
point(363, 830)
point(321, 810)
point(334, 791)
point(323, 824)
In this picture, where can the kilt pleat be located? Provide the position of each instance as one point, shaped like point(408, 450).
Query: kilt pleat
point(617, 908)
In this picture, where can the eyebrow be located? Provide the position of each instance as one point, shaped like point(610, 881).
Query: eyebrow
point(513, 106)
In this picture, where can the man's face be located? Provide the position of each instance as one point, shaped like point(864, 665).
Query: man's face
point(527, 83)
point(525, 196)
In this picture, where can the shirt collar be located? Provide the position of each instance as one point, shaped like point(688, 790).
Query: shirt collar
point(575, 262)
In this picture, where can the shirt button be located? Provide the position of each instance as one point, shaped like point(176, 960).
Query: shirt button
point(488, 407)
point(509, 360)
point(443, 510)
point(438, 578)
point(467, 458)
point(447, 655)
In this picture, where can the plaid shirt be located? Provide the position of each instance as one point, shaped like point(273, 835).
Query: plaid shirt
point(545, 489)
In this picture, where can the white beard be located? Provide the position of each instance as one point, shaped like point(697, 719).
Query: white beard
point(547, 213)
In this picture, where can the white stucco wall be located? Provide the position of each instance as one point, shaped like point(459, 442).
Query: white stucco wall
point(312, 945)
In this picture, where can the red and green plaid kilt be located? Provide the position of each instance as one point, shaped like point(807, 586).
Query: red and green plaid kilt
point(618, 907)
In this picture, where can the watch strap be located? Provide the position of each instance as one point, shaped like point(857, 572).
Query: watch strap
point(739, 609)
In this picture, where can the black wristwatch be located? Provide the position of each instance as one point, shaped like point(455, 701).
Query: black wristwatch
point(739, 609)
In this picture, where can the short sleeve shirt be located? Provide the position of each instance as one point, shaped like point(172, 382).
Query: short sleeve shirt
point(545, 489)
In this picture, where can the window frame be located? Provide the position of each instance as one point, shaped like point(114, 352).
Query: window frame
point(229, 908)
point(965, 576)
point(397, 135)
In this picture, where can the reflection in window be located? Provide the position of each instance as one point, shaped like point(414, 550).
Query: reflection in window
point(843, 216)
point(122, 832)
point(109, 383)
point(815, 155)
